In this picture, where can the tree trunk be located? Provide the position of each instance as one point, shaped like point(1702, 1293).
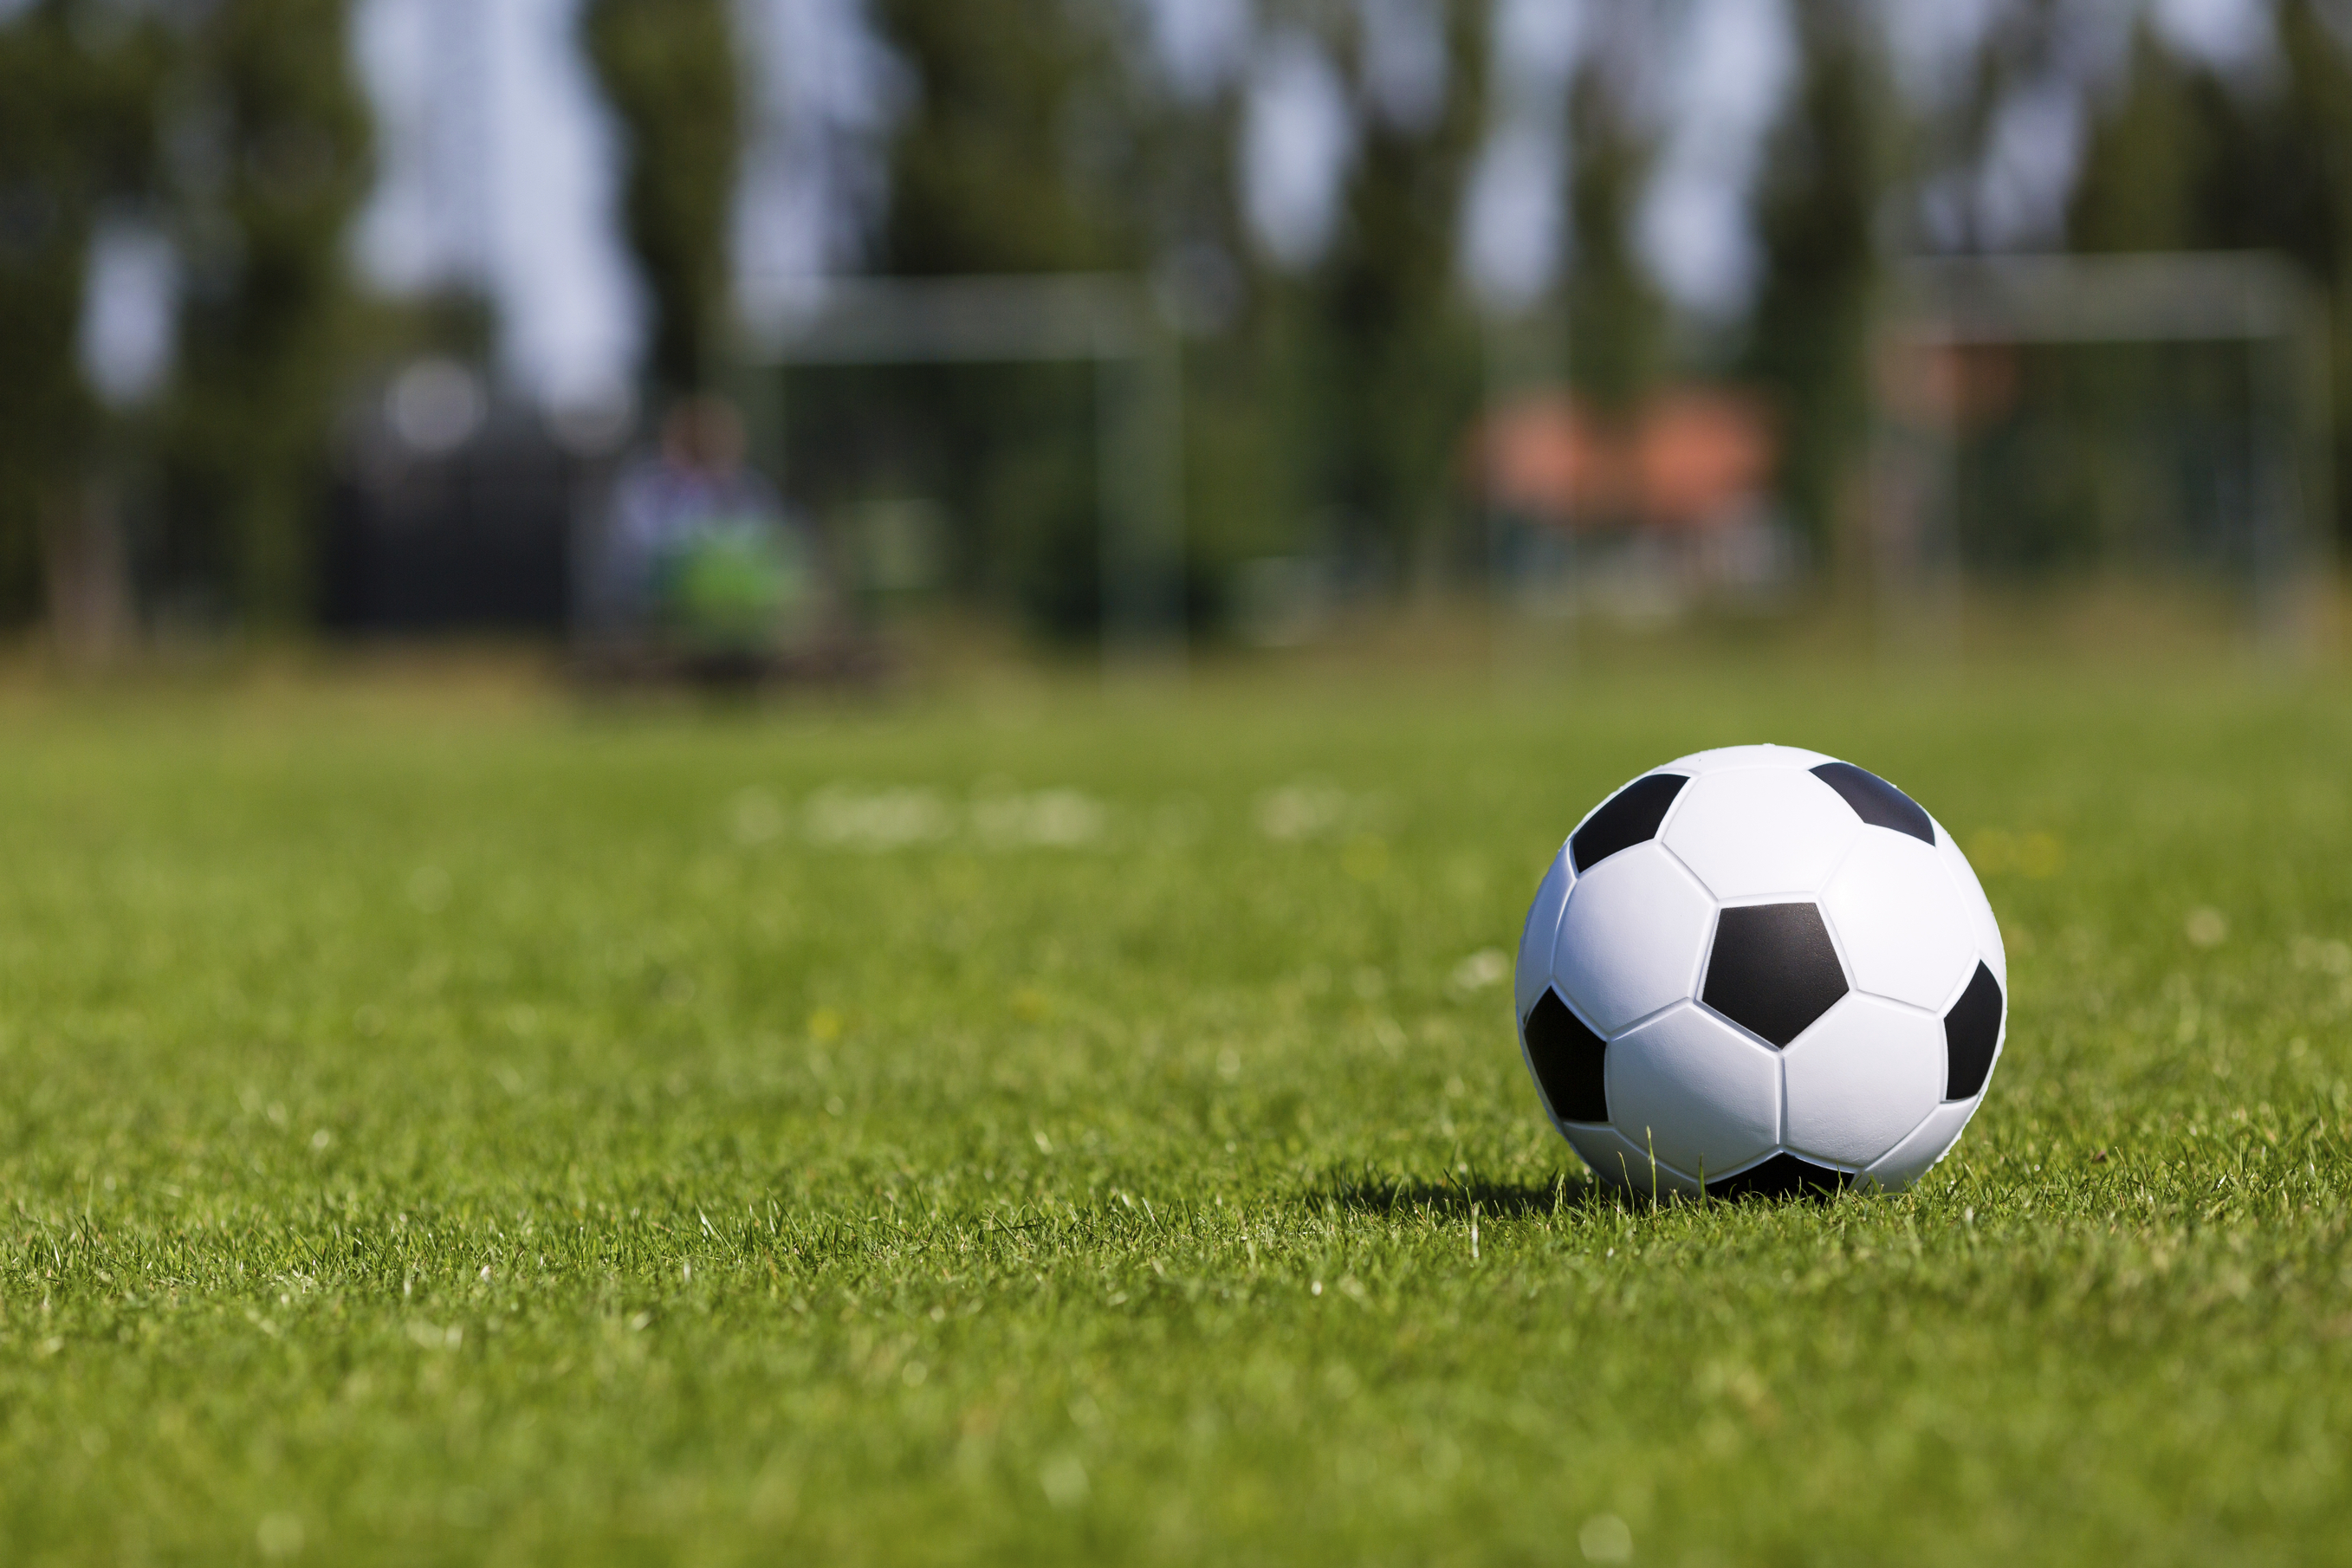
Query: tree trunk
point(86, 569)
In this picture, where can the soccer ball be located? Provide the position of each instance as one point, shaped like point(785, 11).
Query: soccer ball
point(1761, 970)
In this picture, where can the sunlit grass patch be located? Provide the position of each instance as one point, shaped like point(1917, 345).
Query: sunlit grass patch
point(1097, 1133)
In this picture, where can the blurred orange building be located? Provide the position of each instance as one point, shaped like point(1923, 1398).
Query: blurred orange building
point(1693, 461)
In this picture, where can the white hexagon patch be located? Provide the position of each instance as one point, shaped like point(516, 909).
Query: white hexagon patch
point(1861, 1079)
point(1697, 1090)
point(1899, 920)
point(1761, 831)
point(1632, 938)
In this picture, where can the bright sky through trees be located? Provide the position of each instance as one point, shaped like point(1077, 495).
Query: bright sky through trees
point(500, 165)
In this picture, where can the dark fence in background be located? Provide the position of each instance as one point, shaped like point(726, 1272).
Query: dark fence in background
point(478, 538)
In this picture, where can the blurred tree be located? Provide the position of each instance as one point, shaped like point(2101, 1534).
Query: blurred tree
point(1010, 160)
point(1826, 175)
point(2183, 160)
point(76, 132)
point(268, 143)
point(1617, 344)
point(1018, 155)
point(2318, 46)
point(1387, 353)
point(668, 69)
point(2149, 153)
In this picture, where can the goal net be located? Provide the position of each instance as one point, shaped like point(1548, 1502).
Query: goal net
point(2154, 423)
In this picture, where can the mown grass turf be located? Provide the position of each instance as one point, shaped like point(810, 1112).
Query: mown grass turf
point(501, 1133)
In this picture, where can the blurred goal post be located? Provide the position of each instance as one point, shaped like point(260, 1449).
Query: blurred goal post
point(2253, 299)
point(1111, 322)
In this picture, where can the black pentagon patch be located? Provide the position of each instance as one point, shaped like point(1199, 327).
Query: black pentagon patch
point(1630, 817)
point(1782, 1176)
point(1568, 1058)
point(1876, 802)
point(1774, 969)
point(1971, 1030)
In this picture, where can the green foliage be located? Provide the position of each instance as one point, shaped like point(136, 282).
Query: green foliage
point(667, 68)
point(1385, 354)
point(1325, 415)
point(1826, 175)
point(997, 166)
point(447, 1133)
point(273, 143)
point(1014, 157)
point(1617, 341)
point(77, 131)
point(1324, 410)
point(2183, 161)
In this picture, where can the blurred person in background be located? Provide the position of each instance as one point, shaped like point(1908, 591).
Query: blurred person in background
point(699, 559)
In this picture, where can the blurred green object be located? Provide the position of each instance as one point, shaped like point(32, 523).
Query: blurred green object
point(737, 585)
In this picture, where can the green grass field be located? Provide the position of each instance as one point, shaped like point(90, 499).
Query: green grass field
point(1035, 1128)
